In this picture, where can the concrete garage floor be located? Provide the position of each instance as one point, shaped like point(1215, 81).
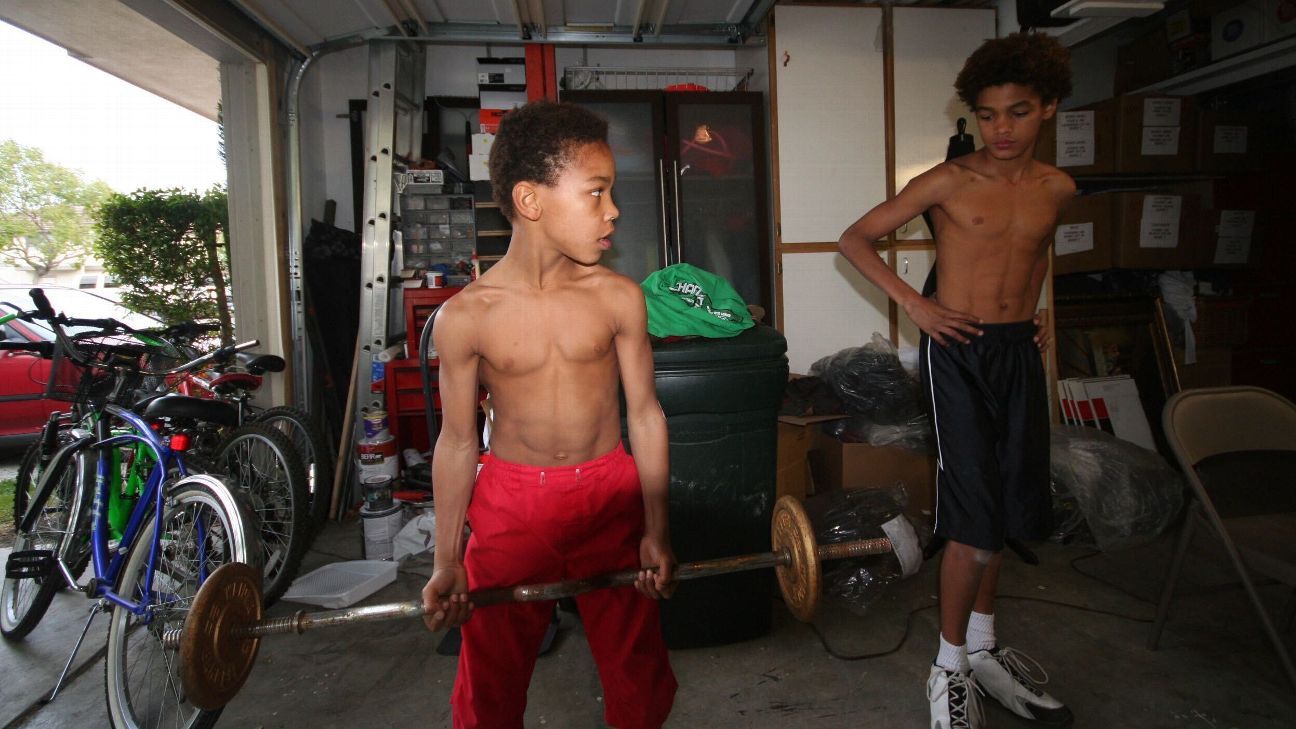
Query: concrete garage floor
point(1214, 670)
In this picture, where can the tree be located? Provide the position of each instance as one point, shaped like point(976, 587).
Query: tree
point(45, 210)
point(166, 249)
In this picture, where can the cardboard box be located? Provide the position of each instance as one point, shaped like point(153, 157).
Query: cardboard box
point(795, 440)
point(860, 466)
point(1228, 238)
point(1229, 141)
point(1237, 29)
point(1081, 141)
point(1144, 61)
point(1153, 230)
point(1221, 321)
point(1279, 20)
point(1155, 134)
point(1083, 240)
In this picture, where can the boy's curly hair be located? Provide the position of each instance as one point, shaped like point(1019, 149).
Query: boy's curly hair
point(535, 142)
point(1035, 60)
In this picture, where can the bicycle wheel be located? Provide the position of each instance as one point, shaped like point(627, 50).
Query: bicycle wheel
point(205, 525)
point(25, 480)
point(261, 461)
point(24, 600)
point(314, 450)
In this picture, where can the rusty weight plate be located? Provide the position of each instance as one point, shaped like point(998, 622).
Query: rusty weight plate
point(215, 658)
point(800, 580)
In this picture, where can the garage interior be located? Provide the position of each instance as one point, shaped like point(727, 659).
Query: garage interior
point(847, 103)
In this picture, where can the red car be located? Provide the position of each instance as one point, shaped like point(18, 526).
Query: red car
point(23, 406)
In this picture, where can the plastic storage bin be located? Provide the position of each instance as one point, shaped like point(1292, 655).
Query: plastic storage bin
point(721, 398)
point(341, 584)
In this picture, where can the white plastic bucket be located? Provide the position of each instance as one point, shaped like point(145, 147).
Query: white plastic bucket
point(380, 530)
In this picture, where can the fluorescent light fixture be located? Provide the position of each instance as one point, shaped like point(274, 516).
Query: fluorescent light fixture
point(1107, 8)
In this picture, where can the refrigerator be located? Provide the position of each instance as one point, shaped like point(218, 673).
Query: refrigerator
point(691, 184)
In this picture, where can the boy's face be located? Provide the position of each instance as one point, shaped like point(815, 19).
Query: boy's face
point(1009, 117)
point(578, 210)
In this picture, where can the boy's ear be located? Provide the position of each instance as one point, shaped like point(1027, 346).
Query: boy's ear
point(526, 200)
point(1050, 108)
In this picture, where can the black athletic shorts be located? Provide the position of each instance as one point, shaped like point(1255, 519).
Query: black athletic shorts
point(990, 413)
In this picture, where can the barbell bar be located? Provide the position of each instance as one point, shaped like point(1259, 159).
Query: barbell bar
point(223, 629)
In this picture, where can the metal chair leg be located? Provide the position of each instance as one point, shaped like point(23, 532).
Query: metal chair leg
point(1263, 614)
point(1176, 566)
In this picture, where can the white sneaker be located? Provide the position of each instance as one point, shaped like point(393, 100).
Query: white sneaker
point(1013, 679)
point(955, 701)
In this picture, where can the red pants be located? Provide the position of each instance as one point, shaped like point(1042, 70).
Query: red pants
point(541, 524)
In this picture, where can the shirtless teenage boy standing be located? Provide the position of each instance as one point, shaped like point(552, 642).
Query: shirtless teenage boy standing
point(993, 213)
point(552, 336)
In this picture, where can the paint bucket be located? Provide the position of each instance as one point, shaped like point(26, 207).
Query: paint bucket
point(380, 529)
point(377, 492)
point(375, 424)
point(377, 457)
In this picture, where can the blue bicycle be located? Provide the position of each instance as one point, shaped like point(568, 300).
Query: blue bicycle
point(171, 528)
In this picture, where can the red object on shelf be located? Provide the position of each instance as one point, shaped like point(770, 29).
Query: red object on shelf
point(419, 305)
point(686, 87)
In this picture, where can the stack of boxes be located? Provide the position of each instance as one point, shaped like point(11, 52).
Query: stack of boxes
point(1167, 225)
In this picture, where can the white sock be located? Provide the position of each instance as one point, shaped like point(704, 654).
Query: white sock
point(980, 632)
point(952, 657)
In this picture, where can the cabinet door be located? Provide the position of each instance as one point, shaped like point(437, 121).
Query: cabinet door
point(718, 201)
point(831, 128)
point(835, 307)
point(635, 132)
point(931, 45)
point(912, 266)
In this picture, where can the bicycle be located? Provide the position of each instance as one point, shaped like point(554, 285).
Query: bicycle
point(257, 452)
point(256, 456)
point(178, 529)
point(236, 382)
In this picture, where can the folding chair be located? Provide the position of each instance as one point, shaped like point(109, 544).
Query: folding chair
point(1237, 449)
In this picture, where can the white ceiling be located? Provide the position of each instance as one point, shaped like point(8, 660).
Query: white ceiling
point(310, 22)
point(120, 41)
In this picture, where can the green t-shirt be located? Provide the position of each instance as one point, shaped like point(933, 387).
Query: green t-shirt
point(684, 300)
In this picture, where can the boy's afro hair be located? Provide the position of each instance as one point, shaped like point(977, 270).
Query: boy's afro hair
point(1035, 60)
point(535, 142)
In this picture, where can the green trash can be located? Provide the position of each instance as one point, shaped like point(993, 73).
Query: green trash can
point(721, 399)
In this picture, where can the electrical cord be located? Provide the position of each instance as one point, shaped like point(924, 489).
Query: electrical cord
point(1023, 598)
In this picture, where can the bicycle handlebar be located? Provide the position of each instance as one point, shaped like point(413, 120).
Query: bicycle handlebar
point(112, 326)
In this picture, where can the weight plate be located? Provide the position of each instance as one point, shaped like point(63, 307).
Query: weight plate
point(215, 658)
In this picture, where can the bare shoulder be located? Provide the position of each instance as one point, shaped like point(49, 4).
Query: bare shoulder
point(461, 314)
point(1055, 180)
point(943, 179)
point(615, 286)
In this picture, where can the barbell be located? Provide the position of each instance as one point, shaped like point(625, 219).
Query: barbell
point(223, 629)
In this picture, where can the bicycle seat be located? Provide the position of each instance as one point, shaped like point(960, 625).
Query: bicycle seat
point(231, 382)
point(263, 363)
point(192, 408)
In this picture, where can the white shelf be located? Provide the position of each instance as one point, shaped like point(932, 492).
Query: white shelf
point(1274, 56)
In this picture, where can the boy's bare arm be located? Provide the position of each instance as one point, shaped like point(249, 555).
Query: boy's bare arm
point(454, 463)
point(857, 245)
point(648, 437)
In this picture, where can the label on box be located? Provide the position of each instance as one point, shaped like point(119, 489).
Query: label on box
point(1159, 226)
point(1073, 238)
point(1232, 250)
point(1230, 140)
point(1161, 111)
point(1236, 223)
point(1075, 138)
point(1160, 141)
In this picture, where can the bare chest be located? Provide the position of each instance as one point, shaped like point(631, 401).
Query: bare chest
point(529, 334)
point(1002, 214)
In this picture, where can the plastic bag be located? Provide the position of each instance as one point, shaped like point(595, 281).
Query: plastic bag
point(914, 435)
point(846, 516)
point(418, 536)
point(871, 382)
point(1127, 494)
